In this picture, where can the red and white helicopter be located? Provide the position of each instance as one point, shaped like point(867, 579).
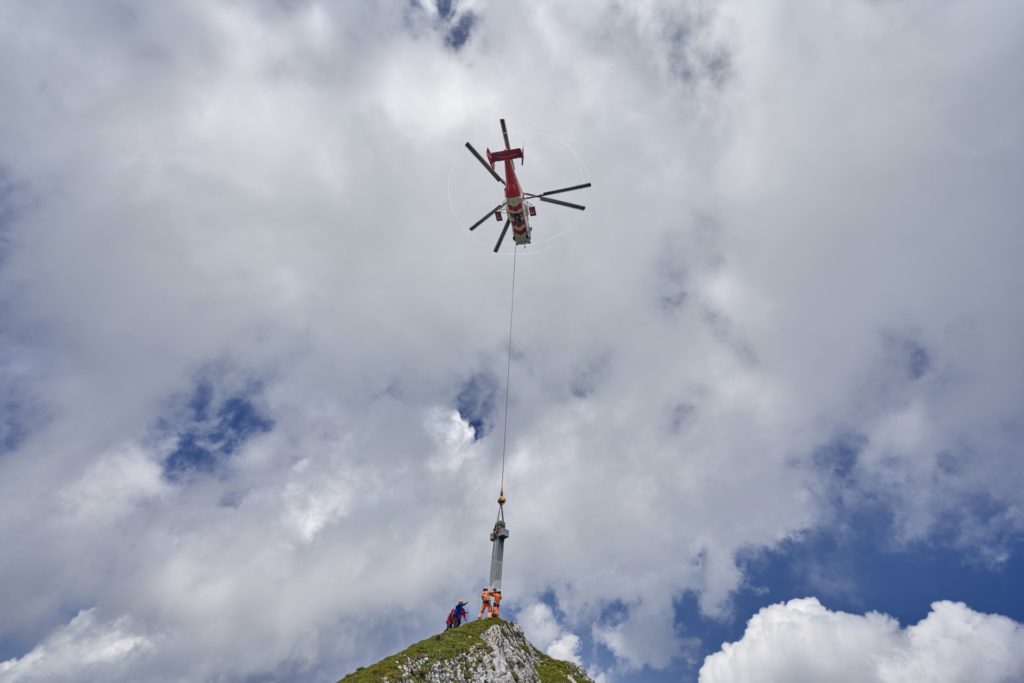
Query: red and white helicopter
point(519, 210)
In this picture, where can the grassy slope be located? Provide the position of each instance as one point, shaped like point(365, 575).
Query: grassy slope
point(449, 644)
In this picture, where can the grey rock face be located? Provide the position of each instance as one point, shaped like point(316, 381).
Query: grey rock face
point(511, 659)
point(507, 658)
point(501, 654)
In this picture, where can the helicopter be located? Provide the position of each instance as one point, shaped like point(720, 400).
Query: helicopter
point(517, 207)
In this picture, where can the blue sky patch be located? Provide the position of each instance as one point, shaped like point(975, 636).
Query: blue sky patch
point(214, 429)
point(475, 403)
point(12, 431)
point(7, 208)
point(455, 26)
point(446, 9)
point(22, 411)
point(680, 415)
point(839, 456)
point(918, 360)
point(459, 30)
point(673, 277)
point(586, 379)
point(910, 356)
point(13, 202)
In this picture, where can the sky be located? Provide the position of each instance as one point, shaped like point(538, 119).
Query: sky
point(767, 391)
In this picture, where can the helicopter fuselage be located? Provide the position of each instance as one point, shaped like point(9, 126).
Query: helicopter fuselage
point(519, 210)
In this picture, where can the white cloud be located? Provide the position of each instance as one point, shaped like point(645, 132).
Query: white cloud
point(543, 630)
point(82, 649)
point(646, 638)
point(313, 501)
point(113, 486)
point(539, 624)
point(803, 641)
point(567, 648)
point(454, 437)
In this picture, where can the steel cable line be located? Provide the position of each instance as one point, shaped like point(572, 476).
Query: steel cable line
point(508, 374)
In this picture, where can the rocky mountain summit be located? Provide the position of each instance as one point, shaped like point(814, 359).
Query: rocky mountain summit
point(485, 651)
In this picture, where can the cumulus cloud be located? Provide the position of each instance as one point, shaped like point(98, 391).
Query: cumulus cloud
point(567, 647)
point(543, 630)
point(802, 227)
point(112, 487)
point(803, 641)
point(645, 638)
point(83, 648)
point(454, 437)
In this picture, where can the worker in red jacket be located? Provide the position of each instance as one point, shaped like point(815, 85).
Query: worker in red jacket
point(496, 599)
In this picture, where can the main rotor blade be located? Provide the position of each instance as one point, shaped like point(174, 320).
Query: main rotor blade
point(486, 216)
point(561, 203)
point(564, 189)
point(504, 133)
point(484, 163)
point(501, 237)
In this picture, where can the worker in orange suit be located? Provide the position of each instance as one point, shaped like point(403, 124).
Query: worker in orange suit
point(496, 598)
point(485, 599)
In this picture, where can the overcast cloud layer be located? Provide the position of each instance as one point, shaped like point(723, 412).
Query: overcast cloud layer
point(252, 363)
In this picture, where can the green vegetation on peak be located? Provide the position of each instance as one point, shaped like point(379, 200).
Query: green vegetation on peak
point(464, 654)
point(443, 646)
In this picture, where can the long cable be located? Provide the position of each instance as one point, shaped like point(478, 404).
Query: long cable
point(508, 369)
